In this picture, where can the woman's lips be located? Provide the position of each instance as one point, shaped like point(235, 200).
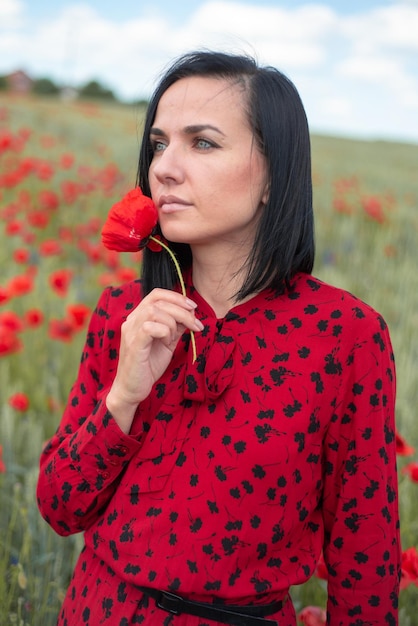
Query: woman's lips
point(172, 204)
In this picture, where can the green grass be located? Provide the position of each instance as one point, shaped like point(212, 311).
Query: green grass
point(374, 257)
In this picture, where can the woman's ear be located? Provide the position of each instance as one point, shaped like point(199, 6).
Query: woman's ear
point(266, 193)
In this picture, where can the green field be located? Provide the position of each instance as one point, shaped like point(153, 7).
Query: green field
point(62, 165)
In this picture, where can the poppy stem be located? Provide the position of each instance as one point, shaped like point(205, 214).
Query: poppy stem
point(182, 285)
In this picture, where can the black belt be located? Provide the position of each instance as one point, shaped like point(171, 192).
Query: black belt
point(249, 615)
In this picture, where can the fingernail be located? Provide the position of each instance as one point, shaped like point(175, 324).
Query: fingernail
point(199, 325)
point(192, 304)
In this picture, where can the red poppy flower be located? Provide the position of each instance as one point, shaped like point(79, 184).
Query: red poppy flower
point(372, 206)
point(11, 320)
point(48, 200)
point(412, 471)
point(313, 616)
point(21, 255)
point(20, 285)
point(33, 318)
point(60, 281)
point(14, 227)
point(61, 330)
point(130, 222)
point(402, 447)
point(129, 227)
point(66, 161)
point(409, 568)
point(4, 295)
point(50, 247)
point(78, 314)
point(19, 401)
point(39, 218)
point(2, 465)
point(9, 341)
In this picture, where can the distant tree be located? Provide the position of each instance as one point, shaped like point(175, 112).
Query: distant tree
point(3, 83)
point(45, 86)
point(93, 89)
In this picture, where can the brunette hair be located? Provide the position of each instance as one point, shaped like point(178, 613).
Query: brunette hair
point(284, 241)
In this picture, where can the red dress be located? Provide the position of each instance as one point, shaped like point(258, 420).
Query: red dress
point(278, 442)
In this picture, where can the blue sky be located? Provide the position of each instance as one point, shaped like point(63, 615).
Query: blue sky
point(354, 62)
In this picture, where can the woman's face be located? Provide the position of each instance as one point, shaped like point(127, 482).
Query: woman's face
point(207, 176)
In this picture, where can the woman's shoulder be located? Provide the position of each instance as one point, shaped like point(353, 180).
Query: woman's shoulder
point(315, 297)
point(119, 300)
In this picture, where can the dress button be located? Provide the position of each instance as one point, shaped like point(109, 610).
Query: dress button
point(123, 449)
point(105, 475)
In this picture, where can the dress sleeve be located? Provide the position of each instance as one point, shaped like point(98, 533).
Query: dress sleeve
point(82, 464)
point(360, 503)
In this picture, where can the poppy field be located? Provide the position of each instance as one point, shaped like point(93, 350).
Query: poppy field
point(62, 166)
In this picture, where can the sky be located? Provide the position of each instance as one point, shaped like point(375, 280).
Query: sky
point(354, 62)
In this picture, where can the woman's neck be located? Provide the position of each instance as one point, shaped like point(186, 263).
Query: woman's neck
point(218, 281)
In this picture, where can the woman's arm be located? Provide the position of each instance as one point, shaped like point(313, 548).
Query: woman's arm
point(362, 545)
point(81, 465)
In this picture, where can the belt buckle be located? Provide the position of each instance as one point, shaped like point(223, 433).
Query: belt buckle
point(169, 602)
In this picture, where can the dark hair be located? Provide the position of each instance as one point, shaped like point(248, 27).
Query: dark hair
point(284, 242)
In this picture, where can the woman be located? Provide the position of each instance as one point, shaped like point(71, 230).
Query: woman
point(207, 488)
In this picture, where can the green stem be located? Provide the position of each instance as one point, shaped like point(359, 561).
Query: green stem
point(182, 285)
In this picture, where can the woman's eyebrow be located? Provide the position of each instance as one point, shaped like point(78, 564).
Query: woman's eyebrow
point(188, 130)
point(198, 128)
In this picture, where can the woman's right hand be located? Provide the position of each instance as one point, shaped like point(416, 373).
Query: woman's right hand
point(148, 339)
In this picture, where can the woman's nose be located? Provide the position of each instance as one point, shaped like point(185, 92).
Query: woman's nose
point(168, 165)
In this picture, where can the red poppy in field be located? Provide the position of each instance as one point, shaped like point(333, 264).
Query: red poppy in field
point(19, 401)
point(61, 330)
point(92, 251)
point(409, 568)
point(21, 255)
point(411, 470)
point(313, 616)
point(20, 285)
point(11, 320)
point(402, 447)
point(373, 207)
point(9, 341)
point(14, 227)
point(130, 222)
point(78, 314)
point(50, 247)
point(125, 274)
point(111, 259)
point(33, 318)
point(60, 281)
point(2, 465)
point(341, 205)
point(70, 191)
point(44, 170)
point(65, 234)
point(6, 140)
point(48, 200)
point(66, 161)
point(38, 218)
point(4, 295)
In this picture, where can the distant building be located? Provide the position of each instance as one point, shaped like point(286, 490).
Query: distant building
point(19, 82)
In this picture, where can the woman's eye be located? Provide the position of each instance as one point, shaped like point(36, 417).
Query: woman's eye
point(204, 144)
point(158, 146)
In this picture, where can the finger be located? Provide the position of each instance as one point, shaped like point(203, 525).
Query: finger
point(167, 295)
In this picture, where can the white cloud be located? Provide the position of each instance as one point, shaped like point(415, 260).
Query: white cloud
point(343, 65)
point(11, 13)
